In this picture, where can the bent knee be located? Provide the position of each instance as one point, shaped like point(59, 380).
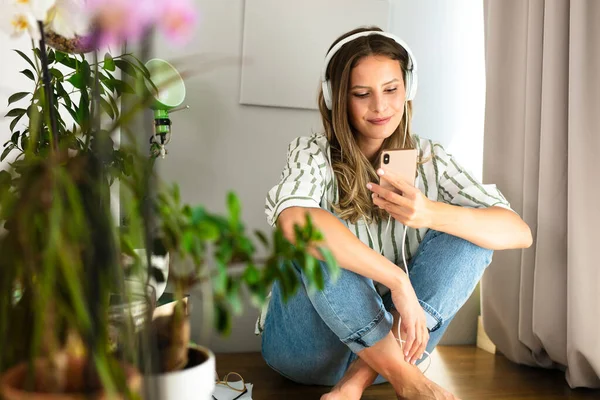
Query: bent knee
point(302, 370)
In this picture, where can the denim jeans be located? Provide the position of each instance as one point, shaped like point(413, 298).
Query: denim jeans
point(314, 336)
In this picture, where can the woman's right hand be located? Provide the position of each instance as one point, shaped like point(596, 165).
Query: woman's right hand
point(413, 325)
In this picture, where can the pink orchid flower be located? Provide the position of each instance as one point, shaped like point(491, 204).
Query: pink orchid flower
point(119, 20)
point(177, 19)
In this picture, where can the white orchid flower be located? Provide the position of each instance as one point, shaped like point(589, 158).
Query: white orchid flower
point(38, 8)
point(20, 16)
point(15, 21)
point(68, 18)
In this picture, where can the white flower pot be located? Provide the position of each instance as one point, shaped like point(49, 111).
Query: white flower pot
point(195, 382)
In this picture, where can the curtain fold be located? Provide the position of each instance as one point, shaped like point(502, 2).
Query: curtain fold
point(541, 306)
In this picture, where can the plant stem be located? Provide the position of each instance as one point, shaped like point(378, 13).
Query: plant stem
point(49, 91)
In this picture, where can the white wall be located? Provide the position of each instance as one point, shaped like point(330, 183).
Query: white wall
point(220, 145)
point(11, 81)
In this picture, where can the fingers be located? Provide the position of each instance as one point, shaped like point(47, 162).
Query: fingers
point(388, 195)
point(420, 350)
point(408, 327)
point(412, 353)
point(395, 180)
point(405, 215)
point(417, 337)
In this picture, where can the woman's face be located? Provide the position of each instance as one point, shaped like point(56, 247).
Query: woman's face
point(375, 101)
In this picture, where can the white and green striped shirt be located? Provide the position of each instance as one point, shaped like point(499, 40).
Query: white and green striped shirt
point(308, 180)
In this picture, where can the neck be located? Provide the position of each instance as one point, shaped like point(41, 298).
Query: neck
point(369, 147)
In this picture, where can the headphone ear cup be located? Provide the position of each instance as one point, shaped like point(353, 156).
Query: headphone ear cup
point(326, 87)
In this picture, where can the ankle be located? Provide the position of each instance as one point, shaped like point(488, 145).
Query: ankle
point(350, 390)
point(357, 379)
point(408, 379)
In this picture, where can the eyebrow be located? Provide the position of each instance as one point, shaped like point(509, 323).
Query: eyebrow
point(368, 87)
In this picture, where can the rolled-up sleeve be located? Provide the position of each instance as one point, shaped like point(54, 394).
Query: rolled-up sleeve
point(458, 187)
point(302, 180)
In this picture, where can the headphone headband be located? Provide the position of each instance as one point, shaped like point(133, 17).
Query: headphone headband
point(411, 68)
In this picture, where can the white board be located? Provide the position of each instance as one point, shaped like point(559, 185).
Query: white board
point(285, 43)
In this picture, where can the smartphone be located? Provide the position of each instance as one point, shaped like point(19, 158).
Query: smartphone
point(402, 162)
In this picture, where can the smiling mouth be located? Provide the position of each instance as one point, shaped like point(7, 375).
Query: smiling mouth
point(379, 121)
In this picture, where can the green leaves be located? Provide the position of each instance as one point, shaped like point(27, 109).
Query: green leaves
point(234, 207)
point(28, 74)
point(16, 112)
point(19, 52)
point(77, 80)
point(109, 64)
point(126, 67)
point(6, 151)
point(17, 96)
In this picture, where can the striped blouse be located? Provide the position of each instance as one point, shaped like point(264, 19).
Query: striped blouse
point(308, 180)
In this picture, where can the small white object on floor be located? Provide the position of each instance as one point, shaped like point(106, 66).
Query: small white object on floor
point(223, 392)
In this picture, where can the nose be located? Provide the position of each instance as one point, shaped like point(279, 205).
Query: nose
point(378, 103)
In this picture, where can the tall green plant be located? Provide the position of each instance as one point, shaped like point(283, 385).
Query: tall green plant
point(60, 250)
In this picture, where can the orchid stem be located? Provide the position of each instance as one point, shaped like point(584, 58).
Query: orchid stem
point(49, 91)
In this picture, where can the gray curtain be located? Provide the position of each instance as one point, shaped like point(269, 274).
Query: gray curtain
point(541, 306)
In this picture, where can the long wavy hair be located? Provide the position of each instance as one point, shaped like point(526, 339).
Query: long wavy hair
point(352, 169)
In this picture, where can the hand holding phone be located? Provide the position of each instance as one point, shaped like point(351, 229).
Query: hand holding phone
point(403, 162)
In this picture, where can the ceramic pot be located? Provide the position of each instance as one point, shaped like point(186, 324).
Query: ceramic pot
point(11, 383)
point(195, 382)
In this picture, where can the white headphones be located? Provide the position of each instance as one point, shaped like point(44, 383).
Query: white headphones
point(411, 69)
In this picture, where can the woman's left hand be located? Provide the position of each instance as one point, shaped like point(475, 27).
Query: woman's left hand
point(412, 208)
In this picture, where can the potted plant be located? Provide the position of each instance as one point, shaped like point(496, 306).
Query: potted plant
point(61, 253)
point(214, 250)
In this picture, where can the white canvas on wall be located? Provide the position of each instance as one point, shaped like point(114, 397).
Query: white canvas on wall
point(285, 43)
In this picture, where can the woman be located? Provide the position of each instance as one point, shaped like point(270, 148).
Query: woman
point(344, 335)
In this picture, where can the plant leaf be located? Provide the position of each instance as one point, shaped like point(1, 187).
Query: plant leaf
point(25, 57)
point(15, 137)
point(262, 237)
point(68, 61)
point(115, 106)
point(28, 74)
point(6, 152)
point(15, 112)
point(319, 279)
point(222, 320)
point(331, 262)
point(234, 207)
point(77, 80)
point(14, 122)
point(16, 97)
point(107, 107)
point(83, 112)
point(208, 231)
point(126, 67)
point(251, 274)
point(109, 64)
point(122, 87)
point(56, 73)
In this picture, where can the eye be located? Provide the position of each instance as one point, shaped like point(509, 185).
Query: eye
point(391, 90)
point(360, 95)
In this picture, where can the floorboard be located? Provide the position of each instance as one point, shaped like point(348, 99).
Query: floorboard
point(470, 373)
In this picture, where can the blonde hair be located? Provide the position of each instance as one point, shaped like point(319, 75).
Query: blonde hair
point(351, 168)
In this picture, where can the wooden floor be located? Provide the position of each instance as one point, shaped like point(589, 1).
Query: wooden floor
point(468, 372)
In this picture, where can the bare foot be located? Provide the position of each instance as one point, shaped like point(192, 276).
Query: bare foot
point(416, 386)
point(357, 378)
point(342, 394)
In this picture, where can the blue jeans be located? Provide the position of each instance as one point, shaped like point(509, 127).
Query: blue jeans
point(314, 336)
